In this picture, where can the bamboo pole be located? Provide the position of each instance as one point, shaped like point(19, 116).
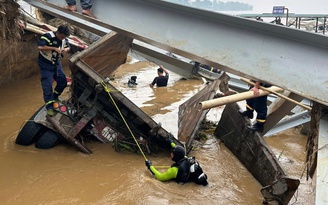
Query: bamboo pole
point(235, 98)
point(278, 94)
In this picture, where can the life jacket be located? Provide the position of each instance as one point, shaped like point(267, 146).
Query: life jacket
point(51, 56)
point(189, 170)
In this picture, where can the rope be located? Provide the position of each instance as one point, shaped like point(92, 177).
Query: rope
point(107, 90)
point(162, 167)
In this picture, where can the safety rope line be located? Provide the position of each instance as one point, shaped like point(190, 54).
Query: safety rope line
point(126, 124)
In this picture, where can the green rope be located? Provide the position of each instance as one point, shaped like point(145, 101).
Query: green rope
point(107, 90)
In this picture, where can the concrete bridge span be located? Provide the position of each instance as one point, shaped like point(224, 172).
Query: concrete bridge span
point(286, 57)
point(289, 58)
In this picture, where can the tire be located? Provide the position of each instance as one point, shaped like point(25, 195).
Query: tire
point(30, 132)
point(49, 139)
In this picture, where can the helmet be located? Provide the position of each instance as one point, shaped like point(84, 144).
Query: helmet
point(202, 179)
point(178, 152)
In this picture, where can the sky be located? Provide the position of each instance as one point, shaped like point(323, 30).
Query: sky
point(294, 6)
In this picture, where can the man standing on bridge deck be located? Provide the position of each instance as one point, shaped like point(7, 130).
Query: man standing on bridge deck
point(259, 104)
point(51, 47)
point(85, 4)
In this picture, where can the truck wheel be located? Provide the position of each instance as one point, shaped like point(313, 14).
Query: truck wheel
point(30, 131)
point(48, 140)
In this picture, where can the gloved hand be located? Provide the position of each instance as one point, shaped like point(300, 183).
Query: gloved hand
point(148, 163)
point(169, 138)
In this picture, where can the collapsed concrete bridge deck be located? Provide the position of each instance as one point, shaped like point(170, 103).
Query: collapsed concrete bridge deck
point(286, 57)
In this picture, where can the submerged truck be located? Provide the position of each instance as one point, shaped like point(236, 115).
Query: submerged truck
point(95, 110)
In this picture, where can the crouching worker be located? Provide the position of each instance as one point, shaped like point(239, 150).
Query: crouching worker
point(185, 169)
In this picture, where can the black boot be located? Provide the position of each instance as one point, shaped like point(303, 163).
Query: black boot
point(247, 113)
point(256, 127)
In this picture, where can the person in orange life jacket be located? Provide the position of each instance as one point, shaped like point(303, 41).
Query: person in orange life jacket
point(259, 104)
point(52, 46)
point(185, 169)
point(161, 80)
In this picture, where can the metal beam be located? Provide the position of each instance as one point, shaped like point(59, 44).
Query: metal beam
point(160, 57)
point(94, 26)
point(286, 57)
point(139, 48)
point(292, 121)
point(278, 109)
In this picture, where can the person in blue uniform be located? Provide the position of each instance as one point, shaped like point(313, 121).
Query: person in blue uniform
point(161, 80)
point(52, 46)
point(185, 169)
point(259, 104)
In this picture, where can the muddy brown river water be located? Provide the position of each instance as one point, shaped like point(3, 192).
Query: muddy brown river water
point(63, 175)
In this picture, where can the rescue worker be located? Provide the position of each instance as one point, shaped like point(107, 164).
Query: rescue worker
point(52, 46)
point(259, 104)
point(132, 81)
point(185, 169)
point(161, 80)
